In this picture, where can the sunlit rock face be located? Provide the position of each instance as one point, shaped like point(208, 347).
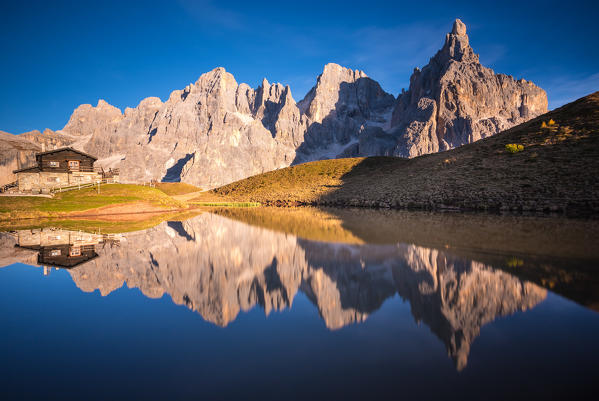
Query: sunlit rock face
point(454, 100)
point(216, 131)
point(219, 268)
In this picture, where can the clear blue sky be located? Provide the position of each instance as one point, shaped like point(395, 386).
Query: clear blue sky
point(57, 54)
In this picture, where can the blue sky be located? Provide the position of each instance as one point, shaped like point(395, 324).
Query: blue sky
point(57, 55)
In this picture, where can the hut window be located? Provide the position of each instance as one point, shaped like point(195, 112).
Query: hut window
point(55, 252)
point(75, 252)
point(54, 163)
point(52, 179)
point(73, 163)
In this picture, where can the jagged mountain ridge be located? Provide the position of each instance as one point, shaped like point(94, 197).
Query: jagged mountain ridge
point(216, 131)
point(454, 100)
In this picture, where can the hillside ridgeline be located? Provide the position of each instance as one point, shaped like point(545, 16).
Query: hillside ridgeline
point(554, 169)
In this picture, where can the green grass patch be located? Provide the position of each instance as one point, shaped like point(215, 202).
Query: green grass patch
point(84, 199)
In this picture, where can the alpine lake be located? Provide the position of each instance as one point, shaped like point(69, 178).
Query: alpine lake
point(302, 303)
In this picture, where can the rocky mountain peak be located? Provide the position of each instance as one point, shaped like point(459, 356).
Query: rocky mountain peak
point(333, 71)
point(340, 90)
point(218, 75)
point(102, 104)
point(455, 100)
point(459, 28)
point(87, 119)
point(457, 46)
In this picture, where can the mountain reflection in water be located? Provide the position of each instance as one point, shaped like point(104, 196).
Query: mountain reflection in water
point(218, 267)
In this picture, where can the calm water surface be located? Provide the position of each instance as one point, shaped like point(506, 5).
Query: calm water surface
point(302, 304)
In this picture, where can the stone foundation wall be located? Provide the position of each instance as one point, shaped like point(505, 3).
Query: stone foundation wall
point(46, 181)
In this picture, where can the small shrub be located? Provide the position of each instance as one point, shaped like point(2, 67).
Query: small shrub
point(514, 147)
point(551, 122)
point(543, 124)
point(515, 262)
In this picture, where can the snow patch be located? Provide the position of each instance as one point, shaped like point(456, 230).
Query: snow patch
point(245, 118)
point(169, 163)
point(170, 232)
point(110, 161)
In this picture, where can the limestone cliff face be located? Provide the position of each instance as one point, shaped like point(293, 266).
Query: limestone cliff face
point(455, 100)
point(48, 139)
point(216, 131)
point(339, 108)
point(16, 153)
point(117, 138)
point(220, 267)
point(87, 120)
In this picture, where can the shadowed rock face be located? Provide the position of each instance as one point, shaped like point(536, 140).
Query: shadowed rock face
point(217, 131)
point(220, 267)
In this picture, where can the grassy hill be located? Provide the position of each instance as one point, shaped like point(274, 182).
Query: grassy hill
point(139, 198)
point(176, 188)
point(547, 164)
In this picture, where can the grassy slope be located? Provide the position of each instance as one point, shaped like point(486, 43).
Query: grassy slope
point(177, 188)
point(84, 199)
point(555, 171)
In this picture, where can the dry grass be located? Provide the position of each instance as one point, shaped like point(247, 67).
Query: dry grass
point(555, 171)
point(177, 188)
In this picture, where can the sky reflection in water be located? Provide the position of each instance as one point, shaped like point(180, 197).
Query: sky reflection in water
point(334, 312)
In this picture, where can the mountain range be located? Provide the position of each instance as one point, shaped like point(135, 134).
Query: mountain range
point(217, 131)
